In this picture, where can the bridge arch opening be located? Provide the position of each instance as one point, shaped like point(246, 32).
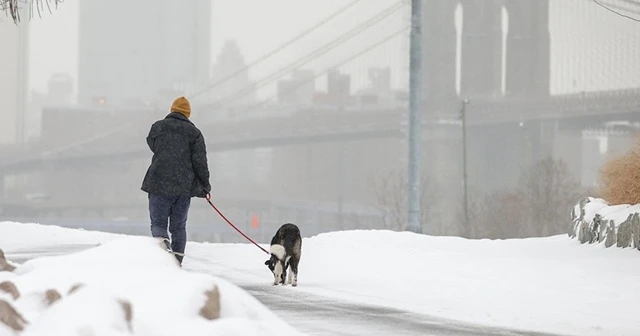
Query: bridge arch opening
point(480, 48)
point(458, 15)
point(504, 16)
point(527, 50)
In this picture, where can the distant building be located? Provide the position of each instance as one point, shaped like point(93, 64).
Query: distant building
point(300, 89)
point(379, 91)
point(338, 90)
point(13, 81)
point(380, 79)
point(59, 90)
point(338, 85)
point(229, 79)
point(132, 51)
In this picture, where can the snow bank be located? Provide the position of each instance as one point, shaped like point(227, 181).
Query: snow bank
point(593, 220)
point(126, 286)
point(542, 284)
point(49, 235)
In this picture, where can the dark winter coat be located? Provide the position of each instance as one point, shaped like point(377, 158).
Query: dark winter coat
point(179, 164)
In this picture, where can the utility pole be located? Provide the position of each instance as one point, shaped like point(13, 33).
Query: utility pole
point(415, 89)
point(341, 171)
point(463, 116)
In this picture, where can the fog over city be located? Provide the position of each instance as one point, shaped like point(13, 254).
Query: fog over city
point(478, 149)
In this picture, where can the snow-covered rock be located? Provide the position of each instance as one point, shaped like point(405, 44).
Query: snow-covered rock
point(594, 221)
point(96, 313)
point(10, 288)
point(5, 266)
point(10, 317)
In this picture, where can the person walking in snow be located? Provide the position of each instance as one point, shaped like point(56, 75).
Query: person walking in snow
point(178, 172)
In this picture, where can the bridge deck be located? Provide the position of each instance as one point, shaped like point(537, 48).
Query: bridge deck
point(317, 125)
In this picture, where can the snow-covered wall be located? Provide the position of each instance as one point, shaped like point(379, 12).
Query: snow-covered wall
point(593, 220)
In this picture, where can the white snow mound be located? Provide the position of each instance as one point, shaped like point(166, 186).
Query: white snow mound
point(164, 299)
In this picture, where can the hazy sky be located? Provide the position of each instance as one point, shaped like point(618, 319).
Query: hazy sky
point(591, 48)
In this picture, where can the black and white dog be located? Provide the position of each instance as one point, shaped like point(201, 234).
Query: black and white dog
point(286, 249)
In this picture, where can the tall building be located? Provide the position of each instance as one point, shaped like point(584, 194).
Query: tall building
point(59, 93)
point(299, 89)
point(13, 81)
point(230, 78)
point(132, 51)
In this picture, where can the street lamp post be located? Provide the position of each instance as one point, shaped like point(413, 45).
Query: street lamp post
point(415, 109)
point(463, 116)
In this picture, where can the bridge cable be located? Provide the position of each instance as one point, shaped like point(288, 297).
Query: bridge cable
point(343, 62)
point(279, 48)
point(309, 57)
point(615, 12)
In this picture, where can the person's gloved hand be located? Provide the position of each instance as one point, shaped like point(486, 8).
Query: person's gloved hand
point(208, 196)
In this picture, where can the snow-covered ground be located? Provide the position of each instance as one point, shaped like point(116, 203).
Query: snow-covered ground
point(163, 298)
point(550, 285)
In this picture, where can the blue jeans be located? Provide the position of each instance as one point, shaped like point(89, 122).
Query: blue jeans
point(170, 211)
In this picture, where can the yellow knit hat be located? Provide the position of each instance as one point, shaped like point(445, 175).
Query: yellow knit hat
point(181, 105)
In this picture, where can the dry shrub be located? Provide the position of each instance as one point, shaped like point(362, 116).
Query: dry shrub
point(620, 179)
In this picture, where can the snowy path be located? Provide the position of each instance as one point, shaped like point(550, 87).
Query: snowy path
point(316, 314)
point(416, 284)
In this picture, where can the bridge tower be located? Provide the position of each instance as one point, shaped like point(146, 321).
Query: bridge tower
point(527, 51)
point(528, 63)
point(496, 51)
point(481, 49)
point(439, 50)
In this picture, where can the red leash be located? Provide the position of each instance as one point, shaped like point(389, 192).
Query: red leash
point(229, 222)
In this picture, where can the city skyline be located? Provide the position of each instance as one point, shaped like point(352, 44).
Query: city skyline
point(583, 37)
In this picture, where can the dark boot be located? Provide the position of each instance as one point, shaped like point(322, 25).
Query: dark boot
point(167, 244)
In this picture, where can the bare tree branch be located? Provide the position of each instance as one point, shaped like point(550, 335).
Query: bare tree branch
point(391, 199)
point(549, 191)
point(503, 216)
point(14, 8)
point(538, 207)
